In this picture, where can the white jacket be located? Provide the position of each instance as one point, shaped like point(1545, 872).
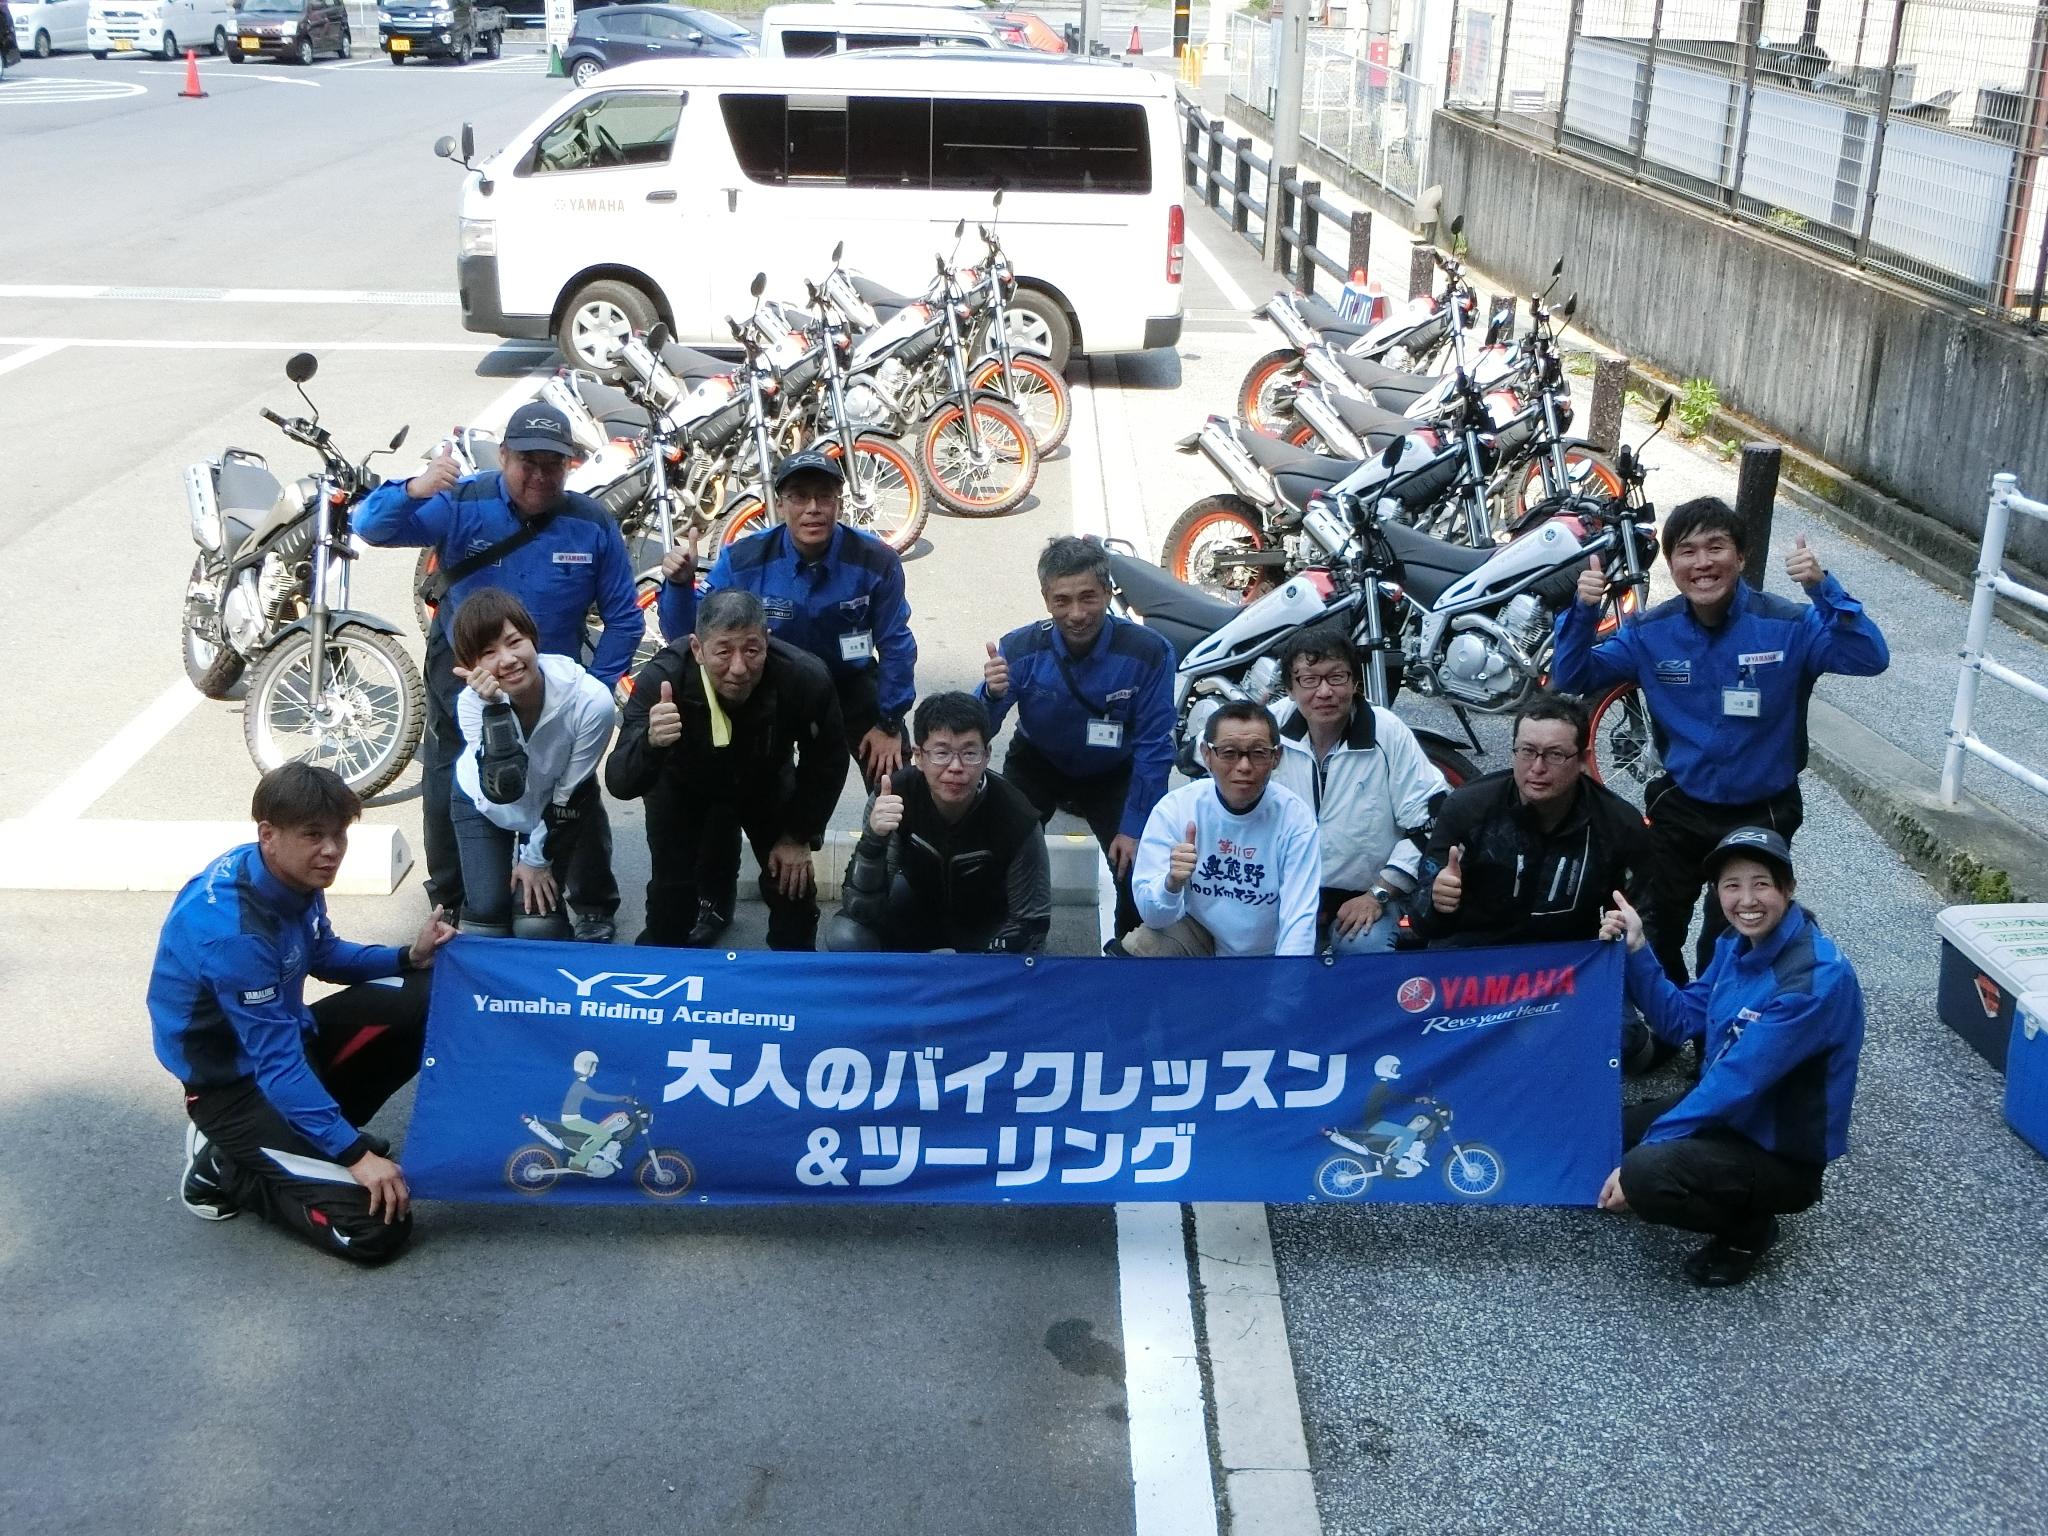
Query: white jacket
point(574, 728)
point(1255, 881)
point(1372, 792)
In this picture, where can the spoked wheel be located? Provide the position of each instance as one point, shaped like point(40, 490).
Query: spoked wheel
point(1037, 391)
point(366, 723)
point(213, 666)
point(1343, 1177)
point(1266, 386)
point(747, 515)
point(1624, 753)
point(1474, 1171)
point(884, 494)
point(646, 594)
point(1592, 473)
point(665, 1173)
point(986, 481)
point(1218, 526)
point(532, 1170)
point(1454, 765)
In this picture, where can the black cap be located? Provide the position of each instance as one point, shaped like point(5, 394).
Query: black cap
point(537, 427)
point(809, 461)
point(1759, 843)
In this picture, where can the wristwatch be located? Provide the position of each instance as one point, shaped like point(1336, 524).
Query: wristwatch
point(1381, 894)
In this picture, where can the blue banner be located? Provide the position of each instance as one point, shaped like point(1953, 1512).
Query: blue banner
point(573, 1072)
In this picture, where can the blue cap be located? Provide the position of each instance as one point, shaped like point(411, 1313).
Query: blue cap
point(537, 427)
point(811, 461)
point(1759, 843)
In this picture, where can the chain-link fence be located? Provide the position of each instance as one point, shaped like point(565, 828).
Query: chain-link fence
point(1355, 108)
point(1901, 135)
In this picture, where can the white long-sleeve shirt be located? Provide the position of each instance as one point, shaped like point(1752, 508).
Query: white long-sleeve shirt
point(1256, 877)
point(563, 749)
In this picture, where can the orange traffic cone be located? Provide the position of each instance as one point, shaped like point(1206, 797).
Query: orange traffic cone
point(1137, 43)
point(192, 76)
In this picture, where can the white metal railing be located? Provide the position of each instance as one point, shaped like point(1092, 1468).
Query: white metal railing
point(1992, 584)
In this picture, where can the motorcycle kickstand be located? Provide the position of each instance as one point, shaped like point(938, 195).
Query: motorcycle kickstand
point(1465, 724)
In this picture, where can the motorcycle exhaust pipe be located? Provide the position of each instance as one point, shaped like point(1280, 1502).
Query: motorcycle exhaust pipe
point(1324, 370)
point(1218, 440)
point(1339, 441)
point(1299, 333)
point(544, 1133)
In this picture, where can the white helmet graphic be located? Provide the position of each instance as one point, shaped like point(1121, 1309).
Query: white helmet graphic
point(1387, 1068)
point(586, 1063)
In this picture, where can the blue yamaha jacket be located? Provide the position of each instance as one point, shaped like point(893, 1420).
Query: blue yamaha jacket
point(1767, 643)
point(576, 563)
point(1782, 1025)
point(851, 593)
point(227, 992)
point(1126, 676)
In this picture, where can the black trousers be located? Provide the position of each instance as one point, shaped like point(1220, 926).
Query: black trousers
point(910, 926)
point(1683, 831)
point(1097, 799)
point(718, 846)
point(684, 835)
point(367, 1047)
point(587, 879)
point(1717, 1182)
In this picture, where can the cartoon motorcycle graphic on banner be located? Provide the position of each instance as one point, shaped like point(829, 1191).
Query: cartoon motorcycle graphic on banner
point(577, 1147)
point(1397, 1145)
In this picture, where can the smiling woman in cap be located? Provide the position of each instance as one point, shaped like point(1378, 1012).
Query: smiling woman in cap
point(1777, 1017)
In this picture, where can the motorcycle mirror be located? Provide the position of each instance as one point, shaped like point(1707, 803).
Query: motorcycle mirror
point(997, 201)
point(940, 262)
point(657, 337)
point(838, 251)
point(1664, 411)
point(1558, 270)
point(444, 146)
point(759, 285)
point(468, 142)
point(1457, 226)
point(959, 228)
point(301, 367)
point(1570, 307)
point(399, 440)
point(1393, 454)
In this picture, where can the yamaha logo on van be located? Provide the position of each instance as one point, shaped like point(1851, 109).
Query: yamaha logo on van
point(590, 205)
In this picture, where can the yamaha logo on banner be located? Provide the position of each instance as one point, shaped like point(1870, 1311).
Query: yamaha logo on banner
point(560, 1072)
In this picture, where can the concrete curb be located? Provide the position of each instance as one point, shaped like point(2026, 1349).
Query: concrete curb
point(1260, 1448)
point(1970, 851)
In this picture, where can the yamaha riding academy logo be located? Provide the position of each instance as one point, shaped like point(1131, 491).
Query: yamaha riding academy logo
point(1506, 995)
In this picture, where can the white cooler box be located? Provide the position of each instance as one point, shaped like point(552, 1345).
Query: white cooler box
point(1990, 956)
point(2026, 1072)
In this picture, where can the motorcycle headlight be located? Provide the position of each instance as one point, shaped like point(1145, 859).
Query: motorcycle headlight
point(476, 237)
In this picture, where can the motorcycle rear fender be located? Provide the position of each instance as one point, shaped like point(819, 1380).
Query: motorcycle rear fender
point(1218, 440)
point(1283, 314)
point(336, 617)
point(1339, 441)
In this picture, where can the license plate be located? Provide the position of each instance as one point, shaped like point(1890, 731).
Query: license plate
point(122, 45)
point(401, 45)
point(251, 44)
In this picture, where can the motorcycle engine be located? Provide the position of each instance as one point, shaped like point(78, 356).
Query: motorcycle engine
point(1487, 660)
point(242, 618)
point(875, 398)
point(279, 590)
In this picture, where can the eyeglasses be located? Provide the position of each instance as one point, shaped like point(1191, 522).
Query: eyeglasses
point(1230, 757)
point(946, 757)
point(1315, 682)
point(1557, 757)
point(544, 462)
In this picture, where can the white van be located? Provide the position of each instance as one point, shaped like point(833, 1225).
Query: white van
point(812, 31)
point(165, 28)
point(44, 27)
point(659, 190)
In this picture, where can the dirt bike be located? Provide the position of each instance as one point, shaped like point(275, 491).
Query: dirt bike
point(562, 1153)
point(1399, 1149)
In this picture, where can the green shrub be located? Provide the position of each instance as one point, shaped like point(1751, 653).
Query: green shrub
point(1698, 400)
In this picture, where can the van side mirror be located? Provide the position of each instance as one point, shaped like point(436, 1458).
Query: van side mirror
point(468, 142)
point(444, 146)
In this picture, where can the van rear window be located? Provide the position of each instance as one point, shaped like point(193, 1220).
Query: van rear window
point(925, 144)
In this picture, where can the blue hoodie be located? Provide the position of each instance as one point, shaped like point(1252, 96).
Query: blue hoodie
point(1780, 1024)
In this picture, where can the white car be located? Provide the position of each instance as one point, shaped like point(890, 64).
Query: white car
point(162, 27)
point(44, 27)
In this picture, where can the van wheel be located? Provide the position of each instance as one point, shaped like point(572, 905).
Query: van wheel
point(303, 54)
point(494, 45)
point(99, 53)
point(42, 45)
point(220, 41)
point(1038, 324)
point(348, 46)
point(169, 51)
point(598, 320)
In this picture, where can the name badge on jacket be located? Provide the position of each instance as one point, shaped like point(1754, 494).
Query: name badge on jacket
point(1105, 733)
point(856, 647)
point(572, 557)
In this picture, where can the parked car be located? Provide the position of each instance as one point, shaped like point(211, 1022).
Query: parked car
point(10, 53)
point(44, 27)
point(163, 27)
point(440, 29)
point(292, 29)
point(612, 35)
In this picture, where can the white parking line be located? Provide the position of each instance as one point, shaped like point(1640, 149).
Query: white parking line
point(33, 354)
point(406, 298)
point(103, 770)
point(239, 74)
point(57, 90)
point(477, 348)
point(1211, 264)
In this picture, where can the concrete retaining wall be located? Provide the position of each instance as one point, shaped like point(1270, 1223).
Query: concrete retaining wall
point(1918, 398)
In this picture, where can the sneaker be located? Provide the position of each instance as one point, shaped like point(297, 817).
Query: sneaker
point(1114, 948)
point(711, 922)
point(600, 929)
point(1723, 1262)
point(201, 1190)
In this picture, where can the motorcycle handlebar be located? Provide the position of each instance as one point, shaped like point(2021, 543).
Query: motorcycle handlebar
point(270, 416)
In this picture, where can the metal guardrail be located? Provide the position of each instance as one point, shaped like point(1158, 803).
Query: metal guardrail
point(1992, 584)
point(1296, 206)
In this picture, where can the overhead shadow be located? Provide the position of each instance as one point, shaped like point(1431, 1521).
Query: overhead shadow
point(513, 358)
point(1158, 369)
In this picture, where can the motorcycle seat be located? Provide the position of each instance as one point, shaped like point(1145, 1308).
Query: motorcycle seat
point(1298, 484)
point(1273, 454)
point(245, 487)
point(692, 366)
point(1374, 376)
point(621, 415)
point(1327, 323)
point(483, 451)
point(1375, 423)
point(1184, 615)
point(1429, 566)
point(884, 301)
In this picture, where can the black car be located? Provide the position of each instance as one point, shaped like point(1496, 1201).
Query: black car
point(629, 34)
point(290, 29)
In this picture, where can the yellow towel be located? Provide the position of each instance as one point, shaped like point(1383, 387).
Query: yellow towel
point(721, 722)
